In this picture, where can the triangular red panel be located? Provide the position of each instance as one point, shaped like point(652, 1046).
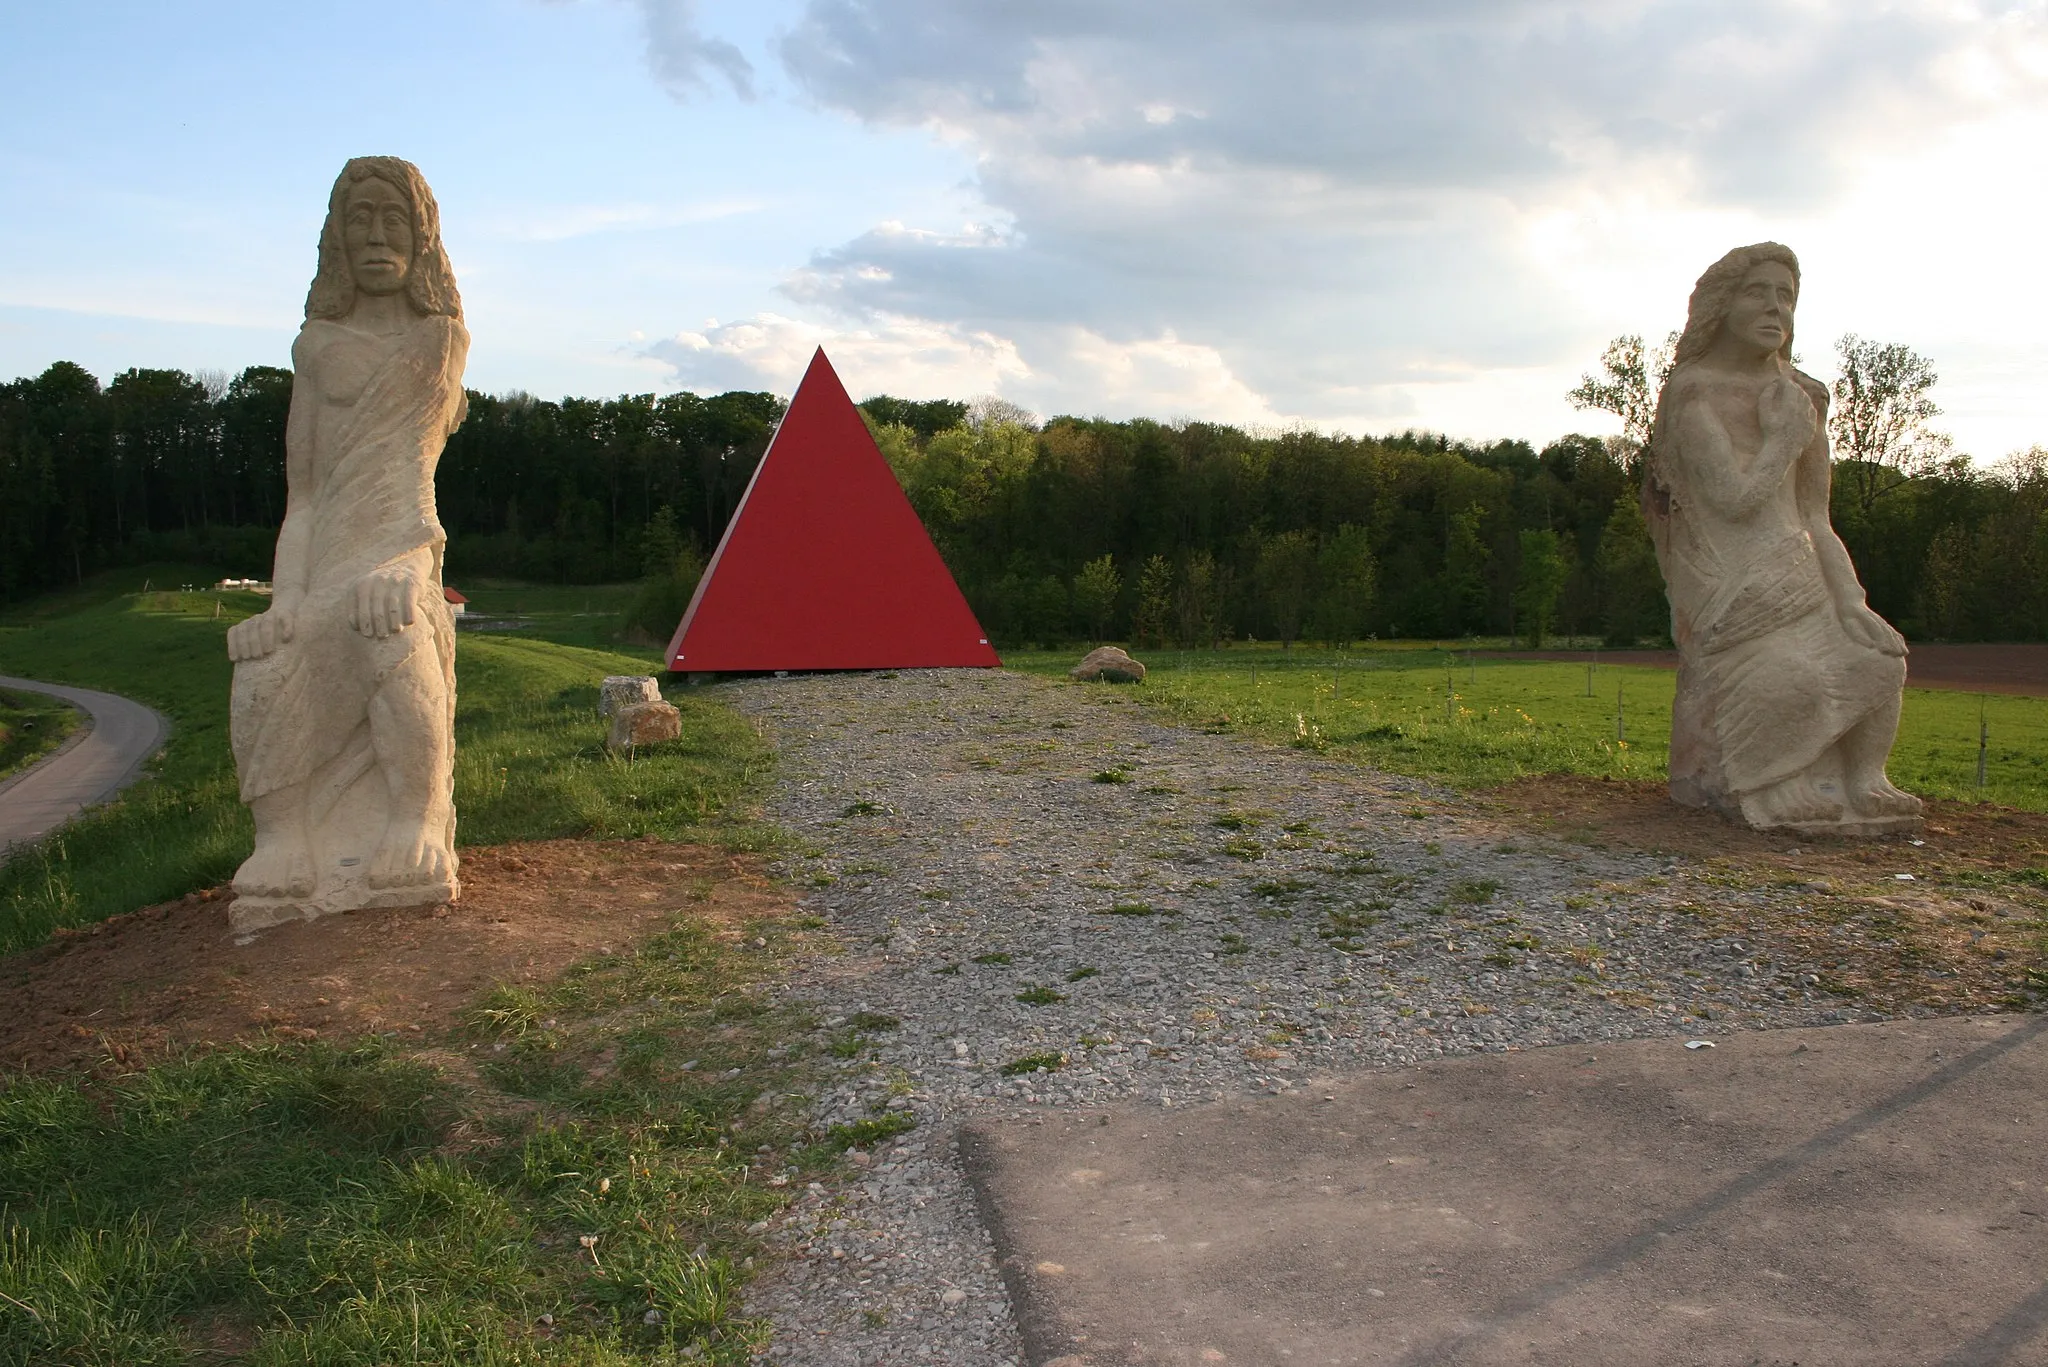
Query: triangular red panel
point(825, 564)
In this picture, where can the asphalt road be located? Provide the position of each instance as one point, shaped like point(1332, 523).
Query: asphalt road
point(1854, 1194)
point(88, 769)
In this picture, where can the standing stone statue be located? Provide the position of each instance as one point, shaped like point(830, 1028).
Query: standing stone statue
point(1788, 684)
point(344, 694)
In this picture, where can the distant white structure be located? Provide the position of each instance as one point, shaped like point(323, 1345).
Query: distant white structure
point(246, 585)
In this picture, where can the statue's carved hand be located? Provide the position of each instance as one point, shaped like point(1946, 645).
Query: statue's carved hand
point(1868, 629)
point(383, 603)
point(258, 636)
point(1787, 413)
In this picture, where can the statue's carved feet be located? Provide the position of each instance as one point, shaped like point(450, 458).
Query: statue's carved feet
point(1793, 802)
point(409, 855)
point(1881, 799)
point(276, 869)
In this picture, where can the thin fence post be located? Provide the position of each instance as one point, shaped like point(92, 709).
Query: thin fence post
point(1983, 743)
point(1620, 727)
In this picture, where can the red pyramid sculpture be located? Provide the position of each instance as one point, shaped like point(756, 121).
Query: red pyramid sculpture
point(825, 564)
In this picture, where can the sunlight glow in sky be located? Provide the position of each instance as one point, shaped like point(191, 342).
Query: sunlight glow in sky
point(1355, 214)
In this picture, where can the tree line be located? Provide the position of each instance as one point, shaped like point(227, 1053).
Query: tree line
point(1185, 533)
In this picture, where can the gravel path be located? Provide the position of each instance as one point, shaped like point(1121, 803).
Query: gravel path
point(1020, 869)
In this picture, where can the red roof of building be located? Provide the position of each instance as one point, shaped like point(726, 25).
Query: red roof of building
point(449, 595)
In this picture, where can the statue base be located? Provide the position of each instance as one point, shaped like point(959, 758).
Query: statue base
point(246, 915)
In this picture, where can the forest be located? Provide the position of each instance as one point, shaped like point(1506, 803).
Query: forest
point(1069, 529)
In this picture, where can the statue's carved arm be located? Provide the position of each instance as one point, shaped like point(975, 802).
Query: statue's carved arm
point(1732, 489)
point(264, 633)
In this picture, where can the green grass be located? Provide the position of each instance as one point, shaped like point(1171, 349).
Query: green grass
point(588, 1151)
point(31, 725)
point(589, 615)
point(1386, 706)
point(530, 759)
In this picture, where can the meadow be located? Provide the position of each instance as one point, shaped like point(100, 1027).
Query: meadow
point(1474, 719)
point(531, 763)
point(582, 1195)
point(31, 725)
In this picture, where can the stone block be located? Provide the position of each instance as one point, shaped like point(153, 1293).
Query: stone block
point(623, 690)
point(644, 723)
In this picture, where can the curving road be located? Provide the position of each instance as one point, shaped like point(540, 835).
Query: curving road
point(90, 768)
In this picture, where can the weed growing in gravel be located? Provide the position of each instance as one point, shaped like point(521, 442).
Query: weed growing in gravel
point(996, 958)
point(1246, 850)
point(865, 808)
point(1033, 1063)
point(1111, 776)
point(1236, 821)
point(1040, 995)
point(873, 1130)
point(1132, 909)
point(1473, 892)
point(1233, 944)
point(873, 1020)
point(1281, 889)
point(1083, 973)
point(1343, 928)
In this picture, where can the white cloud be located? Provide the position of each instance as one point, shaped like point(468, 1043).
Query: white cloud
point(909, 358)
point(681, 55)
point(1370, 214)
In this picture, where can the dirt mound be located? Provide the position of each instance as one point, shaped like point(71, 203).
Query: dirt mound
point(1946, 920)
point(126, 990)
point(1639, 814)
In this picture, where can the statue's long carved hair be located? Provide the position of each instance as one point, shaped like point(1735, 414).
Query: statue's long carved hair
point(429, 285)
point(1714, 293)
point(1705, 315)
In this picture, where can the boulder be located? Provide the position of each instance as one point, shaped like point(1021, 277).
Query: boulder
point(623, 690)
point(644, 723)
point(1108, 664)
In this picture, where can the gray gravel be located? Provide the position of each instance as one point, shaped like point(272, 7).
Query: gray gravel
point(1207, 916)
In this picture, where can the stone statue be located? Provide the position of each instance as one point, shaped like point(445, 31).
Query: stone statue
point(344, 693)
point(1788, 684)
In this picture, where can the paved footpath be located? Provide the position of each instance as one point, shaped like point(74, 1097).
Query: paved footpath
point(89, 769)
point(1863, 1194)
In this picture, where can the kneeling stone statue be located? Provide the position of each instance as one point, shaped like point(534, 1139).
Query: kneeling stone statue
point(1788, 684)
point(343, 712)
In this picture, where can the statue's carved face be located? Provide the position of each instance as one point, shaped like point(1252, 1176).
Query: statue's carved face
point(1760, 315)
point(378, 226)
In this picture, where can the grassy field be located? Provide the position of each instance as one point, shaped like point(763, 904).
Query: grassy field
point(530, 759)
point(1475, 721)
point(570, 1178)
point(584, 1196)
point(31, 725)
point(590, 615)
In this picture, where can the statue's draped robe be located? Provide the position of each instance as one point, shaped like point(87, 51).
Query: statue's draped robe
point(371, 505)
point(1769, 680)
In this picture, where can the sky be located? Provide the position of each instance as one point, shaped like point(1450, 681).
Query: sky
point(1355, 215)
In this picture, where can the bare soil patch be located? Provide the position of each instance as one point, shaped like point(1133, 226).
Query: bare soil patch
point(129, 989)
point(2019, 668)
point(1958, 921)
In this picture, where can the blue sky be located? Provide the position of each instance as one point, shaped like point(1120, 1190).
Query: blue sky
point(1357, 214)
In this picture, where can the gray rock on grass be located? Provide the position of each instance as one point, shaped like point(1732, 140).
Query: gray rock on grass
point(1107, 664)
